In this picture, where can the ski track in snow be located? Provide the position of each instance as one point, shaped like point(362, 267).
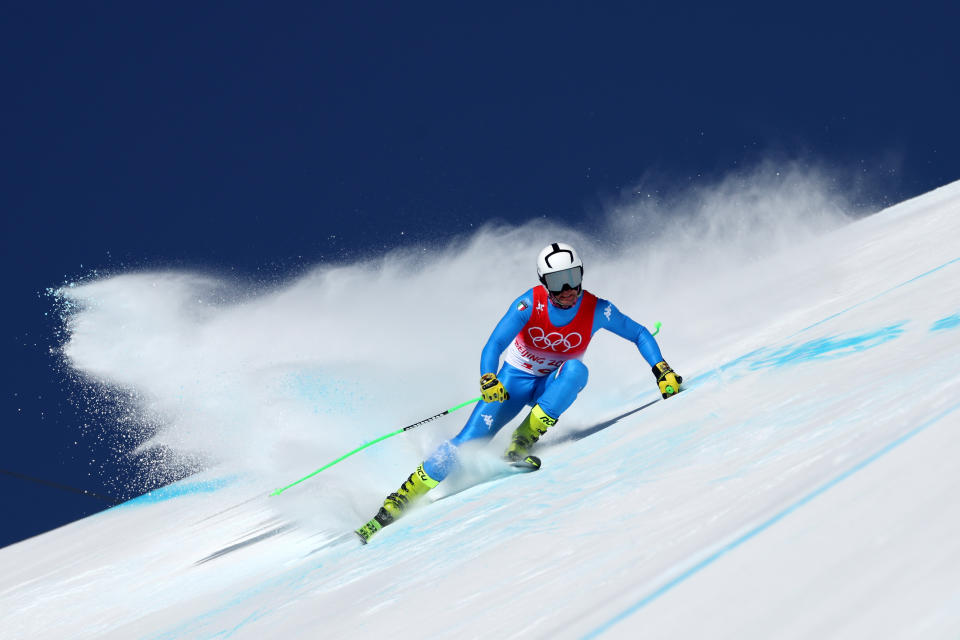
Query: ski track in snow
point(801, 486)
point(730, 546)
point(793, 355)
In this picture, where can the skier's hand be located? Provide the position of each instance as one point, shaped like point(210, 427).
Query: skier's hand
point(491, 389)
point(667, 380)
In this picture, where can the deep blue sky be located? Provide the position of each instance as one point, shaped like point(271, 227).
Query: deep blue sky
point(260, 137)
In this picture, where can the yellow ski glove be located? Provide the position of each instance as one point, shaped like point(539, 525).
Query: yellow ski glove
point(667, 380)
point(491, 389)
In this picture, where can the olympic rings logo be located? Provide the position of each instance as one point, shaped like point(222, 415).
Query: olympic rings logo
point(554, 340)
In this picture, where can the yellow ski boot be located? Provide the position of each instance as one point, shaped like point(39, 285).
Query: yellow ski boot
point(529, 431)
point(412, 489)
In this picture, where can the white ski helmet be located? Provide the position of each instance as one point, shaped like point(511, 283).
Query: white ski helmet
point(559, 267)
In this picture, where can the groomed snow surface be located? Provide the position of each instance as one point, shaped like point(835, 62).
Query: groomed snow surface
point(804, 484)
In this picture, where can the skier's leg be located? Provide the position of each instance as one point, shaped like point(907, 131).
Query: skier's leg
point(563, 387)
point(485, 420)
point(560, 389)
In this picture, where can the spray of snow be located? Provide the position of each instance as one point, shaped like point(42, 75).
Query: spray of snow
point(276, 382)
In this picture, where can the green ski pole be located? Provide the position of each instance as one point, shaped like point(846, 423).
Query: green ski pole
point(373, 442)
point(656, 328)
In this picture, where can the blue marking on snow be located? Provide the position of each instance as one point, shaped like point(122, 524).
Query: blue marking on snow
point(950, 322)
point(827, 348)
point(881, 294)
point(200, 625)
point(292, 581)
point(295, 580)
point(763, 526)
point(178, 489)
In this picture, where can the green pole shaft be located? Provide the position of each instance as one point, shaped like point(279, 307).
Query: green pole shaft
point(373, 442)
point(460, 406)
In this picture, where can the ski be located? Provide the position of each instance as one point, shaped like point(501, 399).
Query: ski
point(529, 463)
point(382, 519)
point(366, 531)
point(379, 521)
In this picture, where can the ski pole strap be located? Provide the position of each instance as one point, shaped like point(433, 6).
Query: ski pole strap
point(656, 328)
point(373, 442)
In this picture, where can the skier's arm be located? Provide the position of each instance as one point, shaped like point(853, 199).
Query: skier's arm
point(612, 319)
point(609, 317)
point(506, 330)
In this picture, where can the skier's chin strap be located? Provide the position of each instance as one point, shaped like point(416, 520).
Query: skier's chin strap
point(556, 302)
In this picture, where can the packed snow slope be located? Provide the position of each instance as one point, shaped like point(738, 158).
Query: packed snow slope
point(803, 485)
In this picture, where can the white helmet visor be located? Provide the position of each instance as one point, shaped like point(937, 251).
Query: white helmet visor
point(557, 281)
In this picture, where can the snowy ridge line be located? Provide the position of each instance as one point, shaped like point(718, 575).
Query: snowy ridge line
point(871, 299)
point(766, 524)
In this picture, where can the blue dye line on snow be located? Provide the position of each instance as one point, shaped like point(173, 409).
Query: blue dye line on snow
point(950, 322)
point(827, 348)
point(902, 284)
point(760, 528)
point(177, 489)
point(830, 347)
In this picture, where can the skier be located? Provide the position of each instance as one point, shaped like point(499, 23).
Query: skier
point(545, 333)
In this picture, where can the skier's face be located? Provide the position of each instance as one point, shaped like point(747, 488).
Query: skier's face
point(567, 297)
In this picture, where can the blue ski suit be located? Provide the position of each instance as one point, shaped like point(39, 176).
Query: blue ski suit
point(554, 392)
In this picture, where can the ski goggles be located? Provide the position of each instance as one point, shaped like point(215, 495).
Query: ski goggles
point(557, 281)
